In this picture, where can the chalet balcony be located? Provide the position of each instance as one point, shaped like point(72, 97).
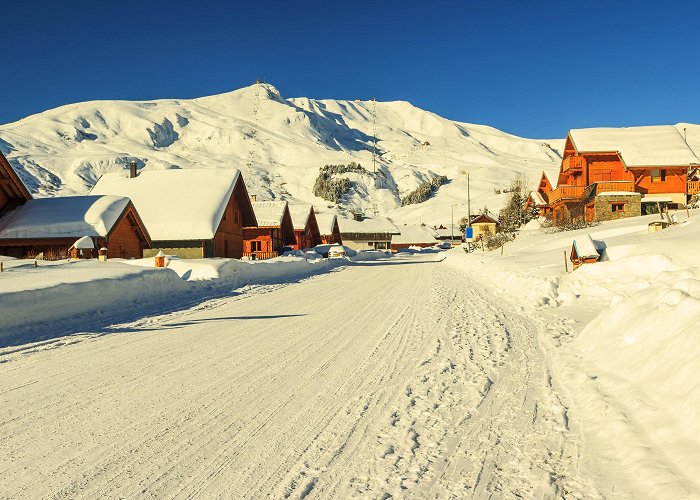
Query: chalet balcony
point(611, 186)
point(576, 163)
point(693, 187)
point(566, 193)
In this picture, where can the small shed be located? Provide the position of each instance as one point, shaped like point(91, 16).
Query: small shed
point(583, 251)
point(83, 248)
point(484, 225)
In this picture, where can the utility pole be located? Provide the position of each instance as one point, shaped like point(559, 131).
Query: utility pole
point(374, 135)
point(469, 205)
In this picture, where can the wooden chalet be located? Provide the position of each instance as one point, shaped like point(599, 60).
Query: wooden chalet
point(191, 213)
point(274, 231)
point(329, 229)
point(635, 169)
point(51, 226)
point(367, 233)
point(13, 192)
point(306, 229)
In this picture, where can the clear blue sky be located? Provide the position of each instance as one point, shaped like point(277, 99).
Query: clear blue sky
point(534, 69)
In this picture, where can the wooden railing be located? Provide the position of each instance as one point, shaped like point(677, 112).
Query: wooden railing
point(260, 255)
point(573, 162)
point(566, 192)
point(609, 186)
point(693, 187)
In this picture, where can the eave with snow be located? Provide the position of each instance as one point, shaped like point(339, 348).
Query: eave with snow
point(192, 213)
point(329, 229)
point(53, 225)
point(305, 227)
point(650, 161)
point(12, 190)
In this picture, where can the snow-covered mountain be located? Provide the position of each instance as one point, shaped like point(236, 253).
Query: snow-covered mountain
point(280, 144)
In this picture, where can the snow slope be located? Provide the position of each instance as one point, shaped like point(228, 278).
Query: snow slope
point(279, 144)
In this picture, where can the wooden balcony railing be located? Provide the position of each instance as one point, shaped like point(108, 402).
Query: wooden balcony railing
point(566, 193)
point(610, 186)
point(693, 187)
point(573, 163)
point(260, 255)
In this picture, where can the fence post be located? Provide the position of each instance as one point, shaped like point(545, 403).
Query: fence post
point(2, 266)
point(566, 264)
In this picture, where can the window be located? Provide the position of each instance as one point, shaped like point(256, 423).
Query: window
point(381, 245)
point(235, 216)
point(617, 207)
point(658, 175)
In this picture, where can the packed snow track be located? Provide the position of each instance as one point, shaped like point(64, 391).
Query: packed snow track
point(400, 378)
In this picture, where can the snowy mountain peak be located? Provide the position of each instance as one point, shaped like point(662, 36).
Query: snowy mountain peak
point(280, 144)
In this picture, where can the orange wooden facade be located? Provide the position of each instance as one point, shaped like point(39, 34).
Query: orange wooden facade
point(309, 236)
point(265, 242)
point(228, 239)
point(582, 176)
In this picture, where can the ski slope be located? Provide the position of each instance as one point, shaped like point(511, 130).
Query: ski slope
point(279, 143)
point(422, 385)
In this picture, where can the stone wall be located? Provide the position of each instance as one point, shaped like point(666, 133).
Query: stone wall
point(604, 202)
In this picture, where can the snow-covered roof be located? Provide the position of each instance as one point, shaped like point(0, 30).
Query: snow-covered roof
point(448, 232)
point(411, 235)
point(659, 145)
point(269, 213)
point(178, 204)
point(326, 222)
point(537, 198)
point(300, 215)
point(585, 247)
point(655, 199)
point(63, 217)
point(367, 226)
point(618, 193)
point(84, 243)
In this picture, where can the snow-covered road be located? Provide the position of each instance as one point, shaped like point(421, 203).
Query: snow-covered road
point(401, 378)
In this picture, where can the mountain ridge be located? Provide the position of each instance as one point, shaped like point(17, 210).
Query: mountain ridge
point(280, 144)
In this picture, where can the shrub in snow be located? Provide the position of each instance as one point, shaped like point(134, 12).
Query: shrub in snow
point(514, 214)
point(424, 191)
point(333, 189)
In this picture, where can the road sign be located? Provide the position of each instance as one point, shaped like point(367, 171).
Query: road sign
point(469, 234)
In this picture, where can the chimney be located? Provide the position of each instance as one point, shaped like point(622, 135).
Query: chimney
point(253, 197)
point(132, 170)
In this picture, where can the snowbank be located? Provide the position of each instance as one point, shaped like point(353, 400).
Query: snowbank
point(59, 297)
point(623, 336)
